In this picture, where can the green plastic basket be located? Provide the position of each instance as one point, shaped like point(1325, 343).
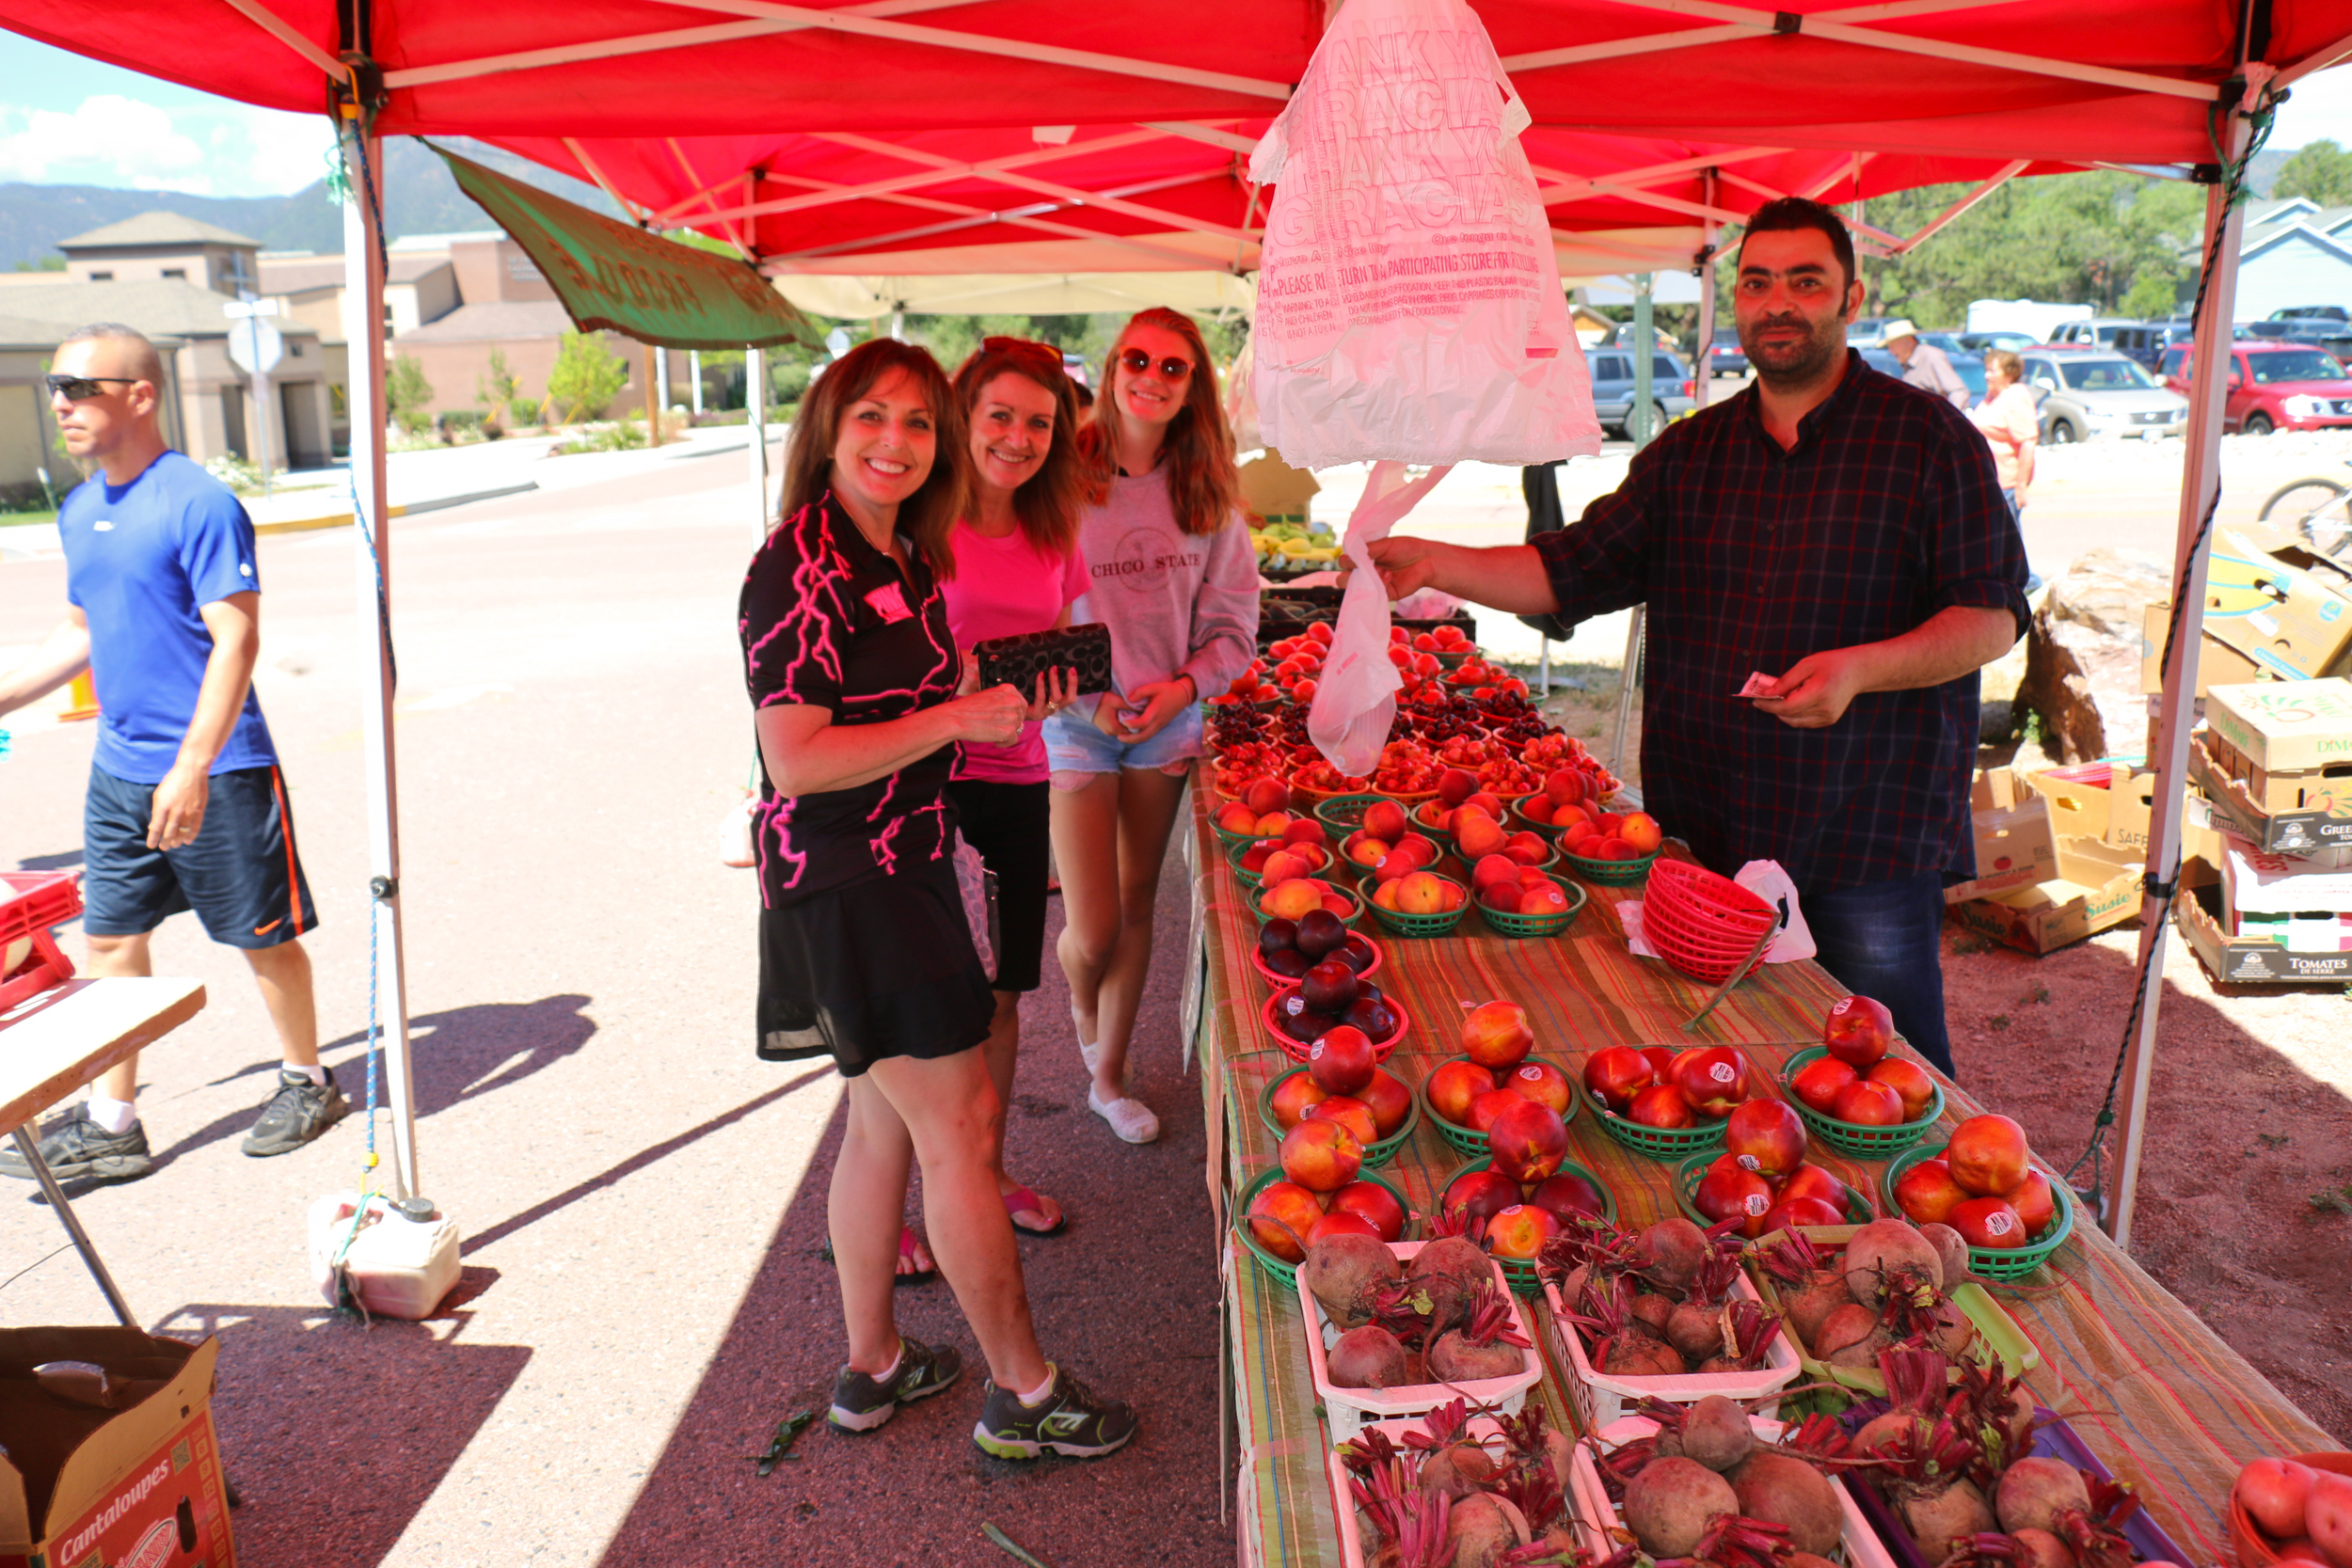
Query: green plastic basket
point(1659, 1143)
point(1520, 819)
point(1344, 813)
point(1250, 879)
point(1611, 873)
point(1288, 1272)
point(1462, 1138)
point(1995, 1262)
point(1519, 1271)
point(1416, 924)
point(1848, 1137)
point(1375, 1154)
point(1858, 1207)
point(1508, 924)
point(1347, 920)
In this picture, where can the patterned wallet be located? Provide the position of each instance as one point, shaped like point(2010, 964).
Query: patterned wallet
point(1018, 661)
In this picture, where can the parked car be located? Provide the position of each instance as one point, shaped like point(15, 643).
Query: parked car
point(1626, 337)
point(2084, 393)
point(2274, 386)
point(2147, 341)
point(2097, 332)
point(1612, 388)
point(1867, 331)
point(1981, 343)
point(2312, 312)
point(1725, 357)
point(2320, 332)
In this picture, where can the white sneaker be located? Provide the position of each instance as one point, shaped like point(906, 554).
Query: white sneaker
point(1130, 1118)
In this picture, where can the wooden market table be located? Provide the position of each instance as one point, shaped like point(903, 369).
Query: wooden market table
point(2153, 1392)
point(53, 1043)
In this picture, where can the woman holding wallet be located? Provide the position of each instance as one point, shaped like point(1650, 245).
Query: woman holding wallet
point(1170, 570)
point(1018, 570)
point(859, 699)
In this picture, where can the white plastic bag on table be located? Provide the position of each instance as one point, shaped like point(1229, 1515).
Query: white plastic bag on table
point(1409, 303)
point(1355, 698)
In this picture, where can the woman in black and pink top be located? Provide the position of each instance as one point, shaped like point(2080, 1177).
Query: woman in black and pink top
point(866, 952)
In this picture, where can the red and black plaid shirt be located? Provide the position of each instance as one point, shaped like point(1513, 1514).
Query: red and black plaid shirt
point(1750, 557)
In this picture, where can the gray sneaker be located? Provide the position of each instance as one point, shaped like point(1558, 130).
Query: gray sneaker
point(1070, 1419)
point(297, 1112)
point(77, 1149)
point(860, 1403)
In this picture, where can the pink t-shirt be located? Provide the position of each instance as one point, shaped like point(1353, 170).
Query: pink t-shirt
point(1004, 588)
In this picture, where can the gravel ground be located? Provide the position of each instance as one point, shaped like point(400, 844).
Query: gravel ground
point(643, 1200)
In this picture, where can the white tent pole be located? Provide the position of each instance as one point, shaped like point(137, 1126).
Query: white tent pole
point(756, 415)
point(1702, 361)
point(363, 331)
point(2201, 487)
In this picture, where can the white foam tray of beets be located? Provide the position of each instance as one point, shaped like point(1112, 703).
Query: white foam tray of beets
point(1601, 1398)
point(1350, 1408)
point(1596, 1515)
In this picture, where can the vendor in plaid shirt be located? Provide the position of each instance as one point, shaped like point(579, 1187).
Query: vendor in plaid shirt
point(1837, 529)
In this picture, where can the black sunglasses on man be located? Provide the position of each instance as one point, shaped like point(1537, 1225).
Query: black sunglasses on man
point(74, 388)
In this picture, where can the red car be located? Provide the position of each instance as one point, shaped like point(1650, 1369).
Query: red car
point(2274, 386)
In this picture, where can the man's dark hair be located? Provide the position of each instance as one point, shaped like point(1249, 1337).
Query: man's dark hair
point(1789, 213)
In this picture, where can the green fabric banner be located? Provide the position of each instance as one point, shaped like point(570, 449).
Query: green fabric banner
point(613, 277)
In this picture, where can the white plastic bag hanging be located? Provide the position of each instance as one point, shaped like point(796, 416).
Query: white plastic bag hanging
point(1355, 699)
point(1409, 303)
point(1241, 400)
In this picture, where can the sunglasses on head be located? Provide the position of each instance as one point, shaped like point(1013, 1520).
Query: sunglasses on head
point(74, 388)
point(1022, 348)
point(1172, 368)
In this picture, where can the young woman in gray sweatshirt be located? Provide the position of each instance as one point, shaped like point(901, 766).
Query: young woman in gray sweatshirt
point(1170, 571)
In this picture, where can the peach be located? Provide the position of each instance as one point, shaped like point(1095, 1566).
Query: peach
point(1389, 1099)
point(1909, 1082)
point(1812, 1182)
point(1476, 834)
point(1306, 830)
point(1927, 1194)
point(1341, 1060)
point(1615, 848)
point(1617, 1074)
point(1868, 1105)
point(1487, 1106)
point(1527, 849)
point(1495, 1035)
point(1858, 1031)
point(1542, 1082)
point(1987, 1155)
point(1289, 900)
point(1988, 1222)
point(1568, 818)
point(1542, 897)
point(1536, 808)
point(1568, 786)
point(1266, 796)
point(1236, 817)
point(1385, 894)
point(1340, 904)
point(1502, 897)
point(1368, 852)
point(1765, 1136)
point(1488, 801)
point(1710, 1078)
point(1420, 893)
point(1320, 1154)
point(1641, 830)
point(1451, 1087)
point(1820, 1082)
point(1295, 1097)
point(1350, 1112)
point(1272, 824)
point(1385, 819)
point(2035, 1205)
point(1343, 1222)
point(1454, 785)
point(1521, 1231)
point(1494, 868)
point(1454, 897)
point(1285, 867)
point(1280, 1218)
point(1254, 858)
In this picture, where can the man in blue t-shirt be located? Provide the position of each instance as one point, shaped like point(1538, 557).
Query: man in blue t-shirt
point(186, 807)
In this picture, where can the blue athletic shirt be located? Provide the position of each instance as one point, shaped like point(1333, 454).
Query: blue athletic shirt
point(140, 561)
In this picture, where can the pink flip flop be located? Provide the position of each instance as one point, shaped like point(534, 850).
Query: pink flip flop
point(1023, 1200)
point(906, 1250)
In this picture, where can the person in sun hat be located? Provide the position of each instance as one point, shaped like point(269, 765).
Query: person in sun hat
point(187, 808)
point(1827, 562)
point(860, 701)
point(1925, 366)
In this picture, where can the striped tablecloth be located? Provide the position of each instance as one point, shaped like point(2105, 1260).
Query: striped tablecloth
point(2160, 1399)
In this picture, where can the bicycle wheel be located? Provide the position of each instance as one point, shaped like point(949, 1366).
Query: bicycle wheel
point(2318, 508)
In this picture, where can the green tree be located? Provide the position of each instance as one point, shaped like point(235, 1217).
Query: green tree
point(408, 394)
point(2321, 171)
point(496, 387)
point(586, 377)
point(45, 264)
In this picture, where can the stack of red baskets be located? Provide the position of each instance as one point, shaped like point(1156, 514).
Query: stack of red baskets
point(1704, 925)
point(30, 903)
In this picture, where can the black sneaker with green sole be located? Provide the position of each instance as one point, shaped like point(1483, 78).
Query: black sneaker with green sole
point(297, 1112)
point(78, 1149)
point(1072, 1420)
point(860, 1403)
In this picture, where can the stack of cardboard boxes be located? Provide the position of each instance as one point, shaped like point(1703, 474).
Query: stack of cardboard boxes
point(2267, 839)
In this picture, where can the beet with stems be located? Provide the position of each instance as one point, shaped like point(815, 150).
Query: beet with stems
point(1671, 1252)
point(1715, 1433)
point(1785, 1490)
point(1809, 1288)
point(1843, 1338)
point(1616, 1347)
point(1951, 1250)
point(1695, 1328)
point(1488, 1346)
point(1887, 1253)
point(1341, 1271)
point(1670, 1504)
point(1482, 1528)
point(1368, 1357)
point(2036, 1493)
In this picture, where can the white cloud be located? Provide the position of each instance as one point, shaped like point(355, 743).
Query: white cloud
point(216, 148)
point(2321, 108)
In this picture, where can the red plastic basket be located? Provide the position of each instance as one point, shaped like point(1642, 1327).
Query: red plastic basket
point(30, 903)
point(1704, 925)
point(1297, 1050)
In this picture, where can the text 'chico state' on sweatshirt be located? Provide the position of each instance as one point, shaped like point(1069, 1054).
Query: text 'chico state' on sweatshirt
point(1177, 603)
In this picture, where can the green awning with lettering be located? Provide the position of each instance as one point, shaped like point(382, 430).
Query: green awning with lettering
point(612, 277)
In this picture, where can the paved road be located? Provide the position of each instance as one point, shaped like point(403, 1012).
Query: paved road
point(643, 1200)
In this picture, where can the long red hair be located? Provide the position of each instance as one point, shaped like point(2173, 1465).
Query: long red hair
point(1203, 484)
point(1048, 504)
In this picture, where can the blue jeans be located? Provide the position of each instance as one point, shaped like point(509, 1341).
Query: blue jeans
point(1884, 941)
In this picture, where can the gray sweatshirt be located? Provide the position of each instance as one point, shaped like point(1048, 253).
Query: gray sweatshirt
point(1176, 602)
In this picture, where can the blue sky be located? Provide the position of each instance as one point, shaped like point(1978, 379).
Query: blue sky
point(64, 119)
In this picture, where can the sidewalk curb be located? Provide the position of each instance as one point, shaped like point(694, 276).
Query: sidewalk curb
point(434, 504)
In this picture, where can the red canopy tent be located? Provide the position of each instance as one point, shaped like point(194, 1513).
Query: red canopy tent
point(938, 133)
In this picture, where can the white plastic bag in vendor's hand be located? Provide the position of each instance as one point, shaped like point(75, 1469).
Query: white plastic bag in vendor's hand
point(1408, 301)
point(1356, 696)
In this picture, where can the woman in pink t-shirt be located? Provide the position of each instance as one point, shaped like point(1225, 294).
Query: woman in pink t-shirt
point(1017, 571)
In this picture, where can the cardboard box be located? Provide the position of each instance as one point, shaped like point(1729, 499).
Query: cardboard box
point(2286, 619)
point(2217, 663)
point(2247, 960)
point(2234, 805)
point(2105, 800)
point(2287, 728)
point(2257, 881)
point(2016, 845)
point(138, 1487)
point(2095, 887)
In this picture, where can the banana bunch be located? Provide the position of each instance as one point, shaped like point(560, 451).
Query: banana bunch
point(1295, 546)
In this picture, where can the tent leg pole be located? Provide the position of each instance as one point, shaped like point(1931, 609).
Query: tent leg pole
point(1702, 361)
point(694, 378)
point(363, 325)
point(1625, 691)
point(756, 409)
point(2201, 485)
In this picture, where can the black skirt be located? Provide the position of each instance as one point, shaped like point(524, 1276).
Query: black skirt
point(881, 967)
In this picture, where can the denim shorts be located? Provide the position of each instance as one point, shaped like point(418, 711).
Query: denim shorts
point(1074, 745)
